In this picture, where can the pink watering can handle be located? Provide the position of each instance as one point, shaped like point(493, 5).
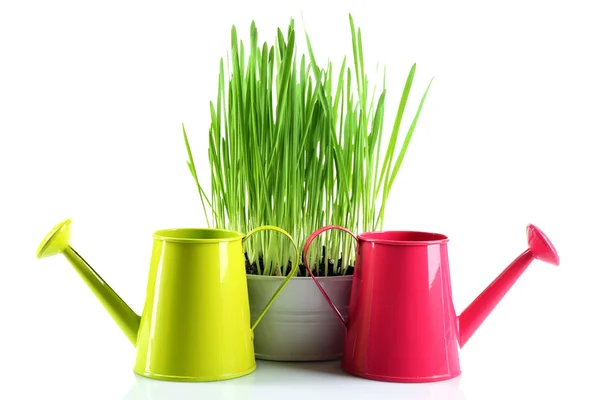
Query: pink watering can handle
point(312, 237)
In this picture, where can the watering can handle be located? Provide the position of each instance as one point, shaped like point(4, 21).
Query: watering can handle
point(312, 237)
point(289, 276)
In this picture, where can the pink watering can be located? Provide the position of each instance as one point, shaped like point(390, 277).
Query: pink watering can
point(402, 326)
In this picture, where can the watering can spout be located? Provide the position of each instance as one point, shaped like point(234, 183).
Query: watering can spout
point(57, 242)
point(472, 317)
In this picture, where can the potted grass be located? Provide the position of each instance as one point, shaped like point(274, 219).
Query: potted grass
point(291, 144)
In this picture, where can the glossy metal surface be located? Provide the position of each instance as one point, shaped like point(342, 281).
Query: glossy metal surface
point(195, 325)
point(300, 325)
point(402, 326)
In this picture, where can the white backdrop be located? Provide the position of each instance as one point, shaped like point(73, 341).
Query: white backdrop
point(92, 98)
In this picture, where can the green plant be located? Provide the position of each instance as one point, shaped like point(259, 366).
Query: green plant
point(292, 146)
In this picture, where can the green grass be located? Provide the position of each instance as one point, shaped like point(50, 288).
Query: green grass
point(293, 144)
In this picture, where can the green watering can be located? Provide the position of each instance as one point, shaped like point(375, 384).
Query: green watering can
point(195, 325)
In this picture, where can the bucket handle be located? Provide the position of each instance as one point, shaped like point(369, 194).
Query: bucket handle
point(289, 276)
point(310, 239)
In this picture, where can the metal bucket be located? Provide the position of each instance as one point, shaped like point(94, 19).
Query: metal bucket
point(300, 325)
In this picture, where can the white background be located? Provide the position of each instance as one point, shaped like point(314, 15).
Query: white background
point(92, 98)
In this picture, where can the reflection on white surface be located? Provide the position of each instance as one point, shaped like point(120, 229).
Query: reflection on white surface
point(324, 380)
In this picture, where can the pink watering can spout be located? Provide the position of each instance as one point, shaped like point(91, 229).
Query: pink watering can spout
point(473, 316)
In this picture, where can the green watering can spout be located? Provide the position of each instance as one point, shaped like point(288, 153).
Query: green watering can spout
point(57, 242)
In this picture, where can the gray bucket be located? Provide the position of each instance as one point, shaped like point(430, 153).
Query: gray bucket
point(300, 325)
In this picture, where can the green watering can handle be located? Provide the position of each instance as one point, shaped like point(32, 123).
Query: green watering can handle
point(289, 276)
